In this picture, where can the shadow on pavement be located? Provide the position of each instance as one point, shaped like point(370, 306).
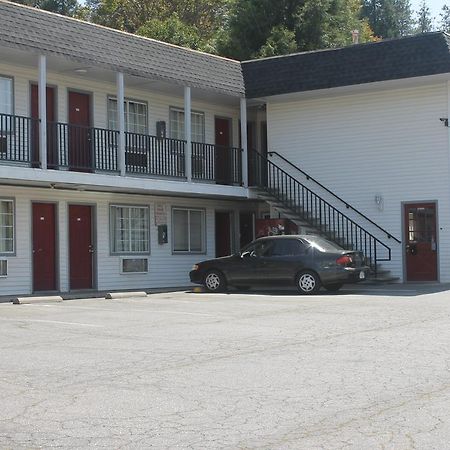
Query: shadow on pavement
point(392, 290)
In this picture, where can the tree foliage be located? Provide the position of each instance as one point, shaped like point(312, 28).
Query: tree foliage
point(244, 29)
point(262, 27)
point(444, 24)
point(64, 7)
point(281, 41)
point(174, 31)
point(424, 19)
point(130, 15)
point(389, 18)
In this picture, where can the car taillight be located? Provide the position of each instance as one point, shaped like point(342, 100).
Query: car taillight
point(344, 260)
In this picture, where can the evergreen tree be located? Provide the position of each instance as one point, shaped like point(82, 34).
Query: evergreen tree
point(424, 19)
point(281, 41)
point(389, 18)
point(262, 27)
point(445, 19)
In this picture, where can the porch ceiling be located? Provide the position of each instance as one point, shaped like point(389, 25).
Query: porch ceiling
point(89, 72)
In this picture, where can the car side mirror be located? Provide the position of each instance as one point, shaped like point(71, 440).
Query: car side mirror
point(246, 255)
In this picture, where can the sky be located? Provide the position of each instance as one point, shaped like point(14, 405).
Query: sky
point(434, 5)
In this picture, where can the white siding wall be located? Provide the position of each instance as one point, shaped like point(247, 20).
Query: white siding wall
point(165, 268)
point(388, 142)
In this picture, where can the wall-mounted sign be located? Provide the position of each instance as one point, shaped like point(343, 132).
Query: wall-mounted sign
point(160, 214)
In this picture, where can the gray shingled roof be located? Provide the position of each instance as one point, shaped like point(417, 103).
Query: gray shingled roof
point(29, 28)
point(426, 54)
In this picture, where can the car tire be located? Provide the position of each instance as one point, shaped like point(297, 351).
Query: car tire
point(333, 287)
point(308, 282)
point(214, 281)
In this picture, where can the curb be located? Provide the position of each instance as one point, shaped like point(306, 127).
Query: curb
point(31, 300)
point(116, 295)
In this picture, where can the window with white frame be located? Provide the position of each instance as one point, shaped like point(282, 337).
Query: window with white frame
point(135, 116)
point(129, 229)
point(188, 230)
point(6, 226)
point(177, 125)
point(6, 95)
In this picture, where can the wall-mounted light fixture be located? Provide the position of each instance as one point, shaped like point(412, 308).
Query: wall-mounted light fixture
point(379, 201)
point(444, 120)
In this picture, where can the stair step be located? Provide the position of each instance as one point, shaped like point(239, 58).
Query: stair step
point(311, 224)
point(382, 280)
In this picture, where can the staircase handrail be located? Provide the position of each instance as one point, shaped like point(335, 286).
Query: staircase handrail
point(293, 180)
point(347, 205)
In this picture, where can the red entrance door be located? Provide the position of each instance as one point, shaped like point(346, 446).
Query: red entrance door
point(80, 154)
point(420, 240)
point(52, 151)
point(44, 247)
point(223, 159)
point(80, 246)
point(223, 234)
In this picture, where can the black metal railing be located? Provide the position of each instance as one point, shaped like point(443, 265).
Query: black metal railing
point(19, 139)
point(89, 149)
point(314, 210)
point(220, 164)
point(346, 204)
point(155, 156)
point(81, 148)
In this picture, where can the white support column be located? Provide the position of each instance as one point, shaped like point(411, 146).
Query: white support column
point(188, 132)
point(244, 142)
point(121, 122)
point(42, 100)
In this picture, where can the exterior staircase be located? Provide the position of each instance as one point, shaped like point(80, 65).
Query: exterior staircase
point(293, 200)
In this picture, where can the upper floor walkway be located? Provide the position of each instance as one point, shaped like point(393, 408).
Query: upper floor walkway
point(152, 116)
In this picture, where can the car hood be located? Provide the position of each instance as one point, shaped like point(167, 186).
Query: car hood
point(221, 260)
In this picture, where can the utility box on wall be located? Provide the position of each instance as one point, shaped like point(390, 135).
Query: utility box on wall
point(161, 129)
point(162, 234)
point(274, 227)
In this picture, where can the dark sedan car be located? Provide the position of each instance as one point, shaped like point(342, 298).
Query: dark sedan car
point(305, 261)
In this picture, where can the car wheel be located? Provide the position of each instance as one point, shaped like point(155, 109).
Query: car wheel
point(214, 281)
point(333, 287)
point(308, 283)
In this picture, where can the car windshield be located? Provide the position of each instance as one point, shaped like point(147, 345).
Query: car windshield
point(322, 244)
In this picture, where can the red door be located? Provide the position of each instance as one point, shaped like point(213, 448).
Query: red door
point(80, 246)
point(80, 154)
point(44, 247)
point(223, 157)
point(52, 151)
point(420, 242)
point(223, 234)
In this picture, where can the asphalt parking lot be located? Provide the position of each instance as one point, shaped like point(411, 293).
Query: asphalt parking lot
point(363, 369)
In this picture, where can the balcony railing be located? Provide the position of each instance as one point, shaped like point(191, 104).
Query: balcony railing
point(80, 148)
point(219, 164)
point(154, 156)
point(18, 139)
point(89, 149)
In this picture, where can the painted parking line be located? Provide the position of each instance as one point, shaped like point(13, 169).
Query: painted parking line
point(52, 321)
point(184, 312)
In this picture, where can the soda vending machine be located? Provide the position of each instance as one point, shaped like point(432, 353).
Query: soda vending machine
point(274, 227)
